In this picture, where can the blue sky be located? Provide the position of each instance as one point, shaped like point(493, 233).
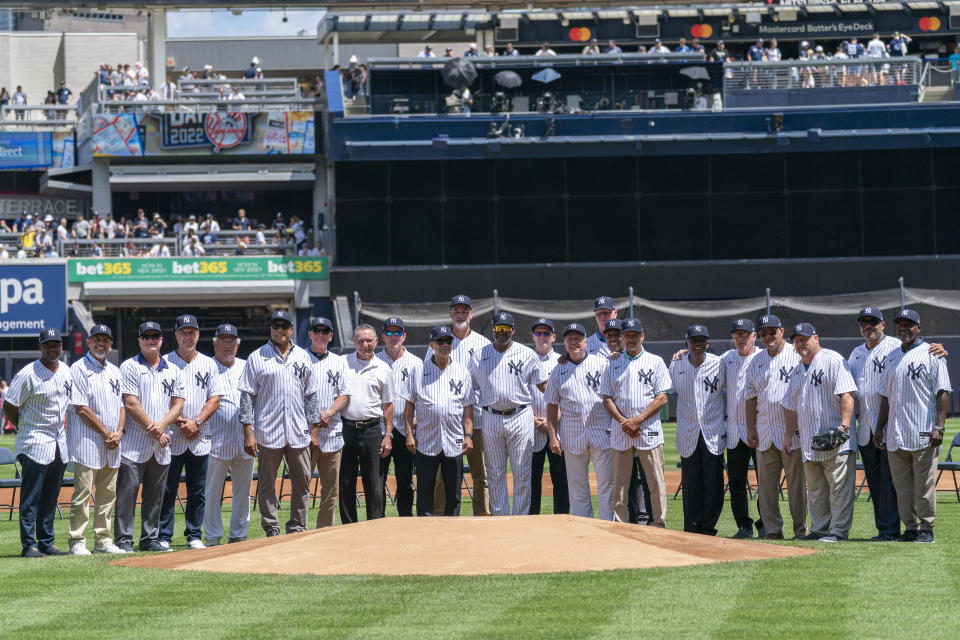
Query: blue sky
point(195, 24)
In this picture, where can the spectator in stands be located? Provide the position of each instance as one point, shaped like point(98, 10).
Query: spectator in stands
point(876, 49)
point(278, 222)
point(682, 46)
point(510, 51)
point(613, 49)
point(168, 91)
point(81, 227)
point(130, 251)
point(51, 99)
point(96, 250)
point(4, 255)
point(297, 231)
point(4, 100)
point(142, 74)
point(488, 51)
point(251, 72)
point(240, 249)
point(592, 48)
point(720, 53)
point(658, 47)
point(955, 63)
point(210, 228)
point(471, 51)
point(116, 76)
point(427, 52)
point(207, 72)
point(141, 226)
point(317, 250)
point(189, 235)
point(75, 250)
point(236, 94)
point(4, 228)
point(448, 52)
point(63, 235)
point(261, 237)
point(241, 222)
point(898, 47)
point(194, 248)
point(63, 98)
point(191, 224)
point(122, 228)
point(159, 249)
point(545, 50)
point(855, 51)
point(19, 98)
point(696, 47)
point(642, 49)
point(21, 221)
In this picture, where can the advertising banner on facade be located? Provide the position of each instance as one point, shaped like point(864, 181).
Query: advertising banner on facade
point(218, 268)
point(33, 297)
point(25, 150)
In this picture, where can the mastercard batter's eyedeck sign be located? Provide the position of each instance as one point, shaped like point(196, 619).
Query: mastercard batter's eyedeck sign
point(701, 31)
point(929, 24)
point(579, 34)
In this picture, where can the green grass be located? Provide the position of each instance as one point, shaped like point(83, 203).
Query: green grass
point(855, 589)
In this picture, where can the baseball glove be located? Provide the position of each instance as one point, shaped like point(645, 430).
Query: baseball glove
point(829, 440)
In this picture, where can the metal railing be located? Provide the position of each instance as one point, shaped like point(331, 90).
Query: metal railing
point(38, 115)
point(819, 74)
point(166, 246)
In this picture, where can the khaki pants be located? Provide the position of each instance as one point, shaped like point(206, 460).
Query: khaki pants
point(298, 466)
point(830, 494)
point(770, 464)
point(914, 476)
point(328, 468)
point(652, 462)
point(478, 473)
point(104, 482)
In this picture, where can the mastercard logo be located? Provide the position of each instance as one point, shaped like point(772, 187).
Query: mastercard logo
point(701, 31)
point(929, 24)
point(579, 34)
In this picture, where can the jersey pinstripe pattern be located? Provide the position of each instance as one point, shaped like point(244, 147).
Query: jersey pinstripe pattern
point(734, 370)
point(700, 404)
point(539, 403)
point(632, 384)
point(814, 394)
point(333, 378)
point(201, 381)
point(226, 432)
point(767, 380)
point(371, 383)
point(575, 388)
point(867, 368)
point(153, 388)
point(439, 396)
point(504, 379)
point(463, 352)
point(280, 388)
point(96, 386)
point(597, 345)
point(42, 397)
point(405, 369)
point(911, 381)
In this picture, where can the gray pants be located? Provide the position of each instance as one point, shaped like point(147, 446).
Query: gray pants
point(830, 494)
point(770, 464)
point(298, 466)
point(153, 476)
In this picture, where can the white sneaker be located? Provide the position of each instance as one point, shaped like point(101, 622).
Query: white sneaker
point(195, 544)
point(109, 548)
point(79, 549)
point(165, 544)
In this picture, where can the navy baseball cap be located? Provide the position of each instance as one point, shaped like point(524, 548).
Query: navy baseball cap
point(150, 326)
point(612, 323)
point(546, 322)
point(100, 330)
point(187, 320)
point(604, 302)
point(461, 299)
point(322, 321)
point(908, 314)
point(871, 312)
point(574, 327)
point(393, 321)
point(281, 316)
point(227, 329)
point(742, 324)
point(803, 329)
point(502, 317)
point(631, 324)
point(770, 321)
point(697, 331)
point(49, 335)
point(441, 331)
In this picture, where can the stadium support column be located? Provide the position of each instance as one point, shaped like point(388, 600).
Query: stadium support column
point(157, 46)
point(324, 203)
point(100, 180)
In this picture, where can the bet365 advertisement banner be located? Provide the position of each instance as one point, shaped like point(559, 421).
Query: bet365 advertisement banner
point(239, 268)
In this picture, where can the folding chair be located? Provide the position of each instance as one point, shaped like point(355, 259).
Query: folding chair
point(6, 457)
point(66, 482)
point(949, 465)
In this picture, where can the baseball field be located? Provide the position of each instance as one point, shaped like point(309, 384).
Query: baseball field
point(856, 589)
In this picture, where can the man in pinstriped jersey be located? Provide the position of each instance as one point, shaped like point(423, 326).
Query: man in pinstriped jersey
point(543, 336)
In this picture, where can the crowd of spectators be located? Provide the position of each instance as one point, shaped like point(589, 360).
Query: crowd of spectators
point(60, 96)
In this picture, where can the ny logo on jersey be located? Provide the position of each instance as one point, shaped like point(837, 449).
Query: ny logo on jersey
point(300, 370)
point(594, 380)
point(68, 387)
point(404, 374)
point(516, 368)
point(784, 374)
point(333, 378)
point(916, 372)
point(115, 385)
point(816, 378)
point(456, 387)
point(168, 386)
point(202, 380)
point(645, 376)
point(878, 365)
point(710, 386)
point(470, 351)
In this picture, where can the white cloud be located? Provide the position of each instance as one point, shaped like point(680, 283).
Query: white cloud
point(223, 24)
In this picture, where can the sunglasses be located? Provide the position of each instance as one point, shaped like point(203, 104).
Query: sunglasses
point(767, 332)
point(868, 322)
point(321, 330)
point(393, 333)
point(152, 336)
point(502, 328)
point(444, 341)
point(540, 334)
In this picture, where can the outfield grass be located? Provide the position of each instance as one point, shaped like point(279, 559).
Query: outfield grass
point(856, 589)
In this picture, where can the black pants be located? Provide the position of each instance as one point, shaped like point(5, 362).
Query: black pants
point(39, 492)
point(882, 492)
point(403, 470)
point(450, 470)
point(702, 477)
point(196, 482)
point(738, 463)
point(639, 509)
point(361, 446)
point(558, 475)
point(131, 475)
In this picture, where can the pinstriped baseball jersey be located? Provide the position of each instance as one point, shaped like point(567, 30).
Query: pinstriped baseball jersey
point(371, 383)
point(867, 368)
point(333, 378)
point(539, 404)
point(504, 379)
point(42, 397)
point(734, 371)
point(154, 388)
point(202, 381)
point(226, 432)
point(463, 352)
point(281, 388)
point(405, 369)
point(814, 393)
point(767, 380)
point(911, 381)
point(575, 388)
point(632, 384)
point(439, 396)
point(96, 386)
point(597, 345)
point(700, 404)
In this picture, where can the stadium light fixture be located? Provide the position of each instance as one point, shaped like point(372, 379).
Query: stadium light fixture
point(923, 5)
point(682, 13)
point(542, 16)
point(577, 15)
point(818, 8)
point(887, 6)
point(852, 8)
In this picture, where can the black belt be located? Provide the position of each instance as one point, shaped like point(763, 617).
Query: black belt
point(362, 424)
point(506, 412)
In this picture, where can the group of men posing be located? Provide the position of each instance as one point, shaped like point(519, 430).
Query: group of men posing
point(136, 428)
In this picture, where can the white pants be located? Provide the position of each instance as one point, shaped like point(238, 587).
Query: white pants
point(508, 438)
point(578, 482)
point(241, 475)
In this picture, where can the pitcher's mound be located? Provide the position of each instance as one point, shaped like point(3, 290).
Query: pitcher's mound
point(468, 546)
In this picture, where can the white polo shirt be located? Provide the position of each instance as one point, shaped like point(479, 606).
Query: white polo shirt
point(372, 386)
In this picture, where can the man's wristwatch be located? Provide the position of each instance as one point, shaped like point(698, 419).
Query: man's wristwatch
point(199, 422)
point(468, 435)
point(939, 428)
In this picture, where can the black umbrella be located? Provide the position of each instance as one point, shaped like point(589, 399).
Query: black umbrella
point(508, 79)
point(458, 73)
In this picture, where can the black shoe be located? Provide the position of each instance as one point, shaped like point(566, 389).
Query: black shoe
point(885, 537)
point(909, 536)
point(155, 546)
point(32, 552)
point(761, 531)
point(53, 551)
point(809, 536)
point(126, 547)
point(925, 536)
point(743, 533)
point(271, 533)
